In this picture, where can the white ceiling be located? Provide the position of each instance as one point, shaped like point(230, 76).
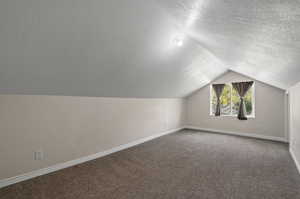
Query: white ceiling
point(114, 48)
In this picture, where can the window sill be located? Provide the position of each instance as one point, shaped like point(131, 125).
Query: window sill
point(233, 116)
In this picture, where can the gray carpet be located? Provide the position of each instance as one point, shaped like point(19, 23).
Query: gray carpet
point(187, 164)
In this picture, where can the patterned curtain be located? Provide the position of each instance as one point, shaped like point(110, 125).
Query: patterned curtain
point(218, 88)
point(242, 88)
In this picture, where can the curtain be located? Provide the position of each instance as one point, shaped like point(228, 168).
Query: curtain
point(218, 88)
point(242, 88)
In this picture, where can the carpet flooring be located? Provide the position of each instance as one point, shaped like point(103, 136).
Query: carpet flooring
point(186, 164)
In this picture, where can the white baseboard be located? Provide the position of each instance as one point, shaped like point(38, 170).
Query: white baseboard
point(239, 134)
point(33, 174)
point(295, 159)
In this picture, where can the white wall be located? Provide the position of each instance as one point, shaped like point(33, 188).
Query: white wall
point(294, 99)
point(269, 110)
point(67, 128)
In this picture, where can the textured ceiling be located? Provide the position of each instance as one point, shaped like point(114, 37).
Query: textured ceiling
point(258, 38)
point(114, 48)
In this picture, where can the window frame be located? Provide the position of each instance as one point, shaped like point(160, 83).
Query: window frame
point(231, 103)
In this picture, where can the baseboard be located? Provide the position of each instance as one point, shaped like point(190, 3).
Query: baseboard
point(33, 174)
point(295, 159)
point(278, 139)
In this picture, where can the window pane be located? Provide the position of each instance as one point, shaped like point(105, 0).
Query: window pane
point(248, 102)
point(226, 101)
point(236, 102)
point(213, 102)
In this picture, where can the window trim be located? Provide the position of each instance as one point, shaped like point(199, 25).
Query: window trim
point(232, 115)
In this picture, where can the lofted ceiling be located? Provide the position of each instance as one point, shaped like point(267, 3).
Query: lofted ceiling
point(113, 48)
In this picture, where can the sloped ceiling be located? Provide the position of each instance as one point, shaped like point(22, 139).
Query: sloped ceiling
point(114, 48)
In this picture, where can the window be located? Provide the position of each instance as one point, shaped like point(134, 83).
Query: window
point(230, 101)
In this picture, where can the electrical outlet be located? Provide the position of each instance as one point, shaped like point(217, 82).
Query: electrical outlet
point(38, 155)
